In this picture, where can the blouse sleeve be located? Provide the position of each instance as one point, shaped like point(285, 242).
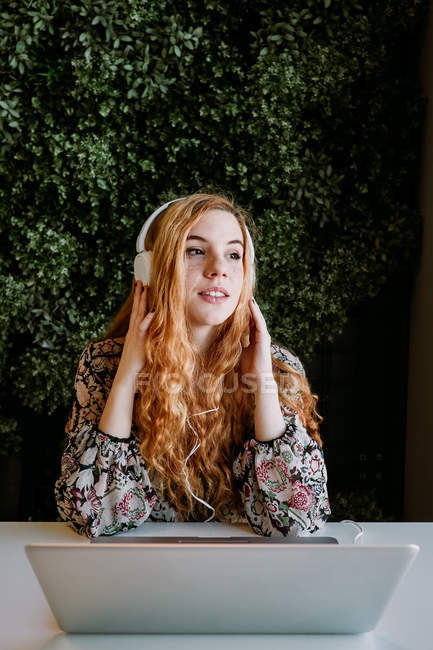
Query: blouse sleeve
point(283, 481)
point(104, 487)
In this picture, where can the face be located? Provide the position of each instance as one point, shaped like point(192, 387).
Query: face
point(213, 259)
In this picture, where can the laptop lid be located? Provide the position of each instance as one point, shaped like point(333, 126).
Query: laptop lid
point(218, 588)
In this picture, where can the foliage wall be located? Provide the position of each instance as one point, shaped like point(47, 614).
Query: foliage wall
point(309, 112)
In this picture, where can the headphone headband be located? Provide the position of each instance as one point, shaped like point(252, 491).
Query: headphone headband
point(143, 232)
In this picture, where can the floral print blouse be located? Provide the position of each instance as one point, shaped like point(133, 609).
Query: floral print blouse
point(104, 487)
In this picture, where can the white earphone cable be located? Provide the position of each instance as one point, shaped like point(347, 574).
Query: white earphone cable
point(193, 450)
point(360, 528)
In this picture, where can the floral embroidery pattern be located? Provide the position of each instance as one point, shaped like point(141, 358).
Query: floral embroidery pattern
point(302, 497)
point(104, 487)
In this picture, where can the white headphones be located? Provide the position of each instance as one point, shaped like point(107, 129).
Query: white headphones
point(143, 259)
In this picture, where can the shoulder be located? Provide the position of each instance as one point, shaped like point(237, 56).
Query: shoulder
point(97, 367)
point(101, 354)
point(106, 348)
point(288, 357)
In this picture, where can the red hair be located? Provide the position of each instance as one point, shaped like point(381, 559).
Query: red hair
point(162, 406)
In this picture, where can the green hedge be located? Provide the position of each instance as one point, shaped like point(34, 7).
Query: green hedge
point(309, 112)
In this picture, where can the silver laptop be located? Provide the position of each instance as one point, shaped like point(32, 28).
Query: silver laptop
point(249, 585)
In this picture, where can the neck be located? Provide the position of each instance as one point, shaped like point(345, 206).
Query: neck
point(202, 337)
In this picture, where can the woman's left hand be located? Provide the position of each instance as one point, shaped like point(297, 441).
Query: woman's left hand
point(256, 361)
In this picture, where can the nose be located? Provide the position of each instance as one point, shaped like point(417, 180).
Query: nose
point(216, 266)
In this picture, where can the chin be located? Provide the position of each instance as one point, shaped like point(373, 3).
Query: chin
point(211, 320)
point(215, 321)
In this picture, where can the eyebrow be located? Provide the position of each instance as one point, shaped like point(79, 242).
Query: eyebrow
point(233, 241)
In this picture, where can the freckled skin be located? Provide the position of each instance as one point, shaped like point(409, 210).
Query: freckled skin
point(213, 263)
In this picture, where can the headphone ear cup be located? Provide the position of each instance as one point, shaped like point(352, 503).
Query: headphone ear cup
point(253, 276)
point(143, 267)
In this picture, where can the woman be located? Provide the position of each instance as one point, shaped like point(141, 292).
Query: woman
point(186, 406)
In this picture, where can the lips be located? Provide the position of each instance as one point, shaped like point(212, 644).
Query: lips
point(213, 300)
point(219, 289)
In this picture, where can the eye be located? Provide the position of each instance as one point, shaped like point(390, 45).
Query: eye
point(194, 252)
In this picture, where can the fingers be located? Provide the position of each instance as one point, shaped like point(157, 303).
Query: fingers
point(144, 325)
point(258, 318)
point(255, 310)
point(142, 305)
point(139, 306)
point(137, 291)
point(140, 317)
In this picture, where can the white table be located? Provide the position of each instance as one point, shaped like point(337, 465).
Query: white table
point(26, 621)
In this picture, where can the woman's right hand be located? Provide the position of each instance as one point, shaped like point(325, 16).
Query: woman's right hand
point(132, 359)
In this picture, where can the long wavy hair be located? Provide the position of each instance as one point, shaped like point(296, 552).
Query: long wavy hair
point(177, 381)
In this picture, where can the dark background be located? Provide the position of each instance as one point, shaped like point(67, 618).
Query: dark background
point(361, 380)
